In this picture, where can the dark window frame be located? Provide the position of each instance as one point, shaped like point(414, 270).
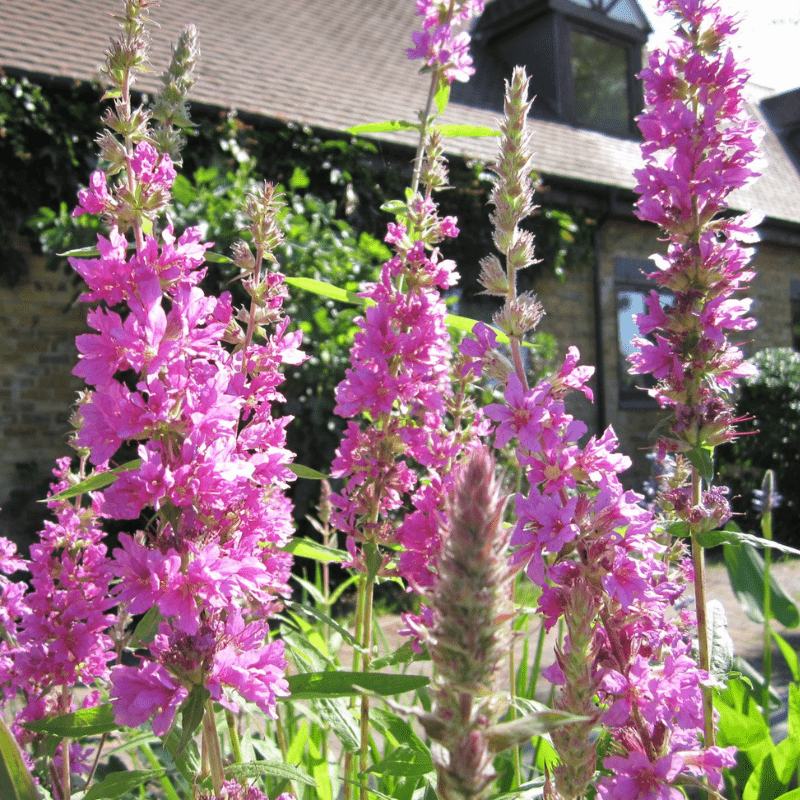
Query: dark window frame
point(794, 313)
point(630, 275)
point(635, 98)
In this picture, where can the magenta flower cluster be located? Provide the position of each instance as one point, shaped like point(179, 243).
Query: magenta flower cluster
point(591, 548)
point(437, 44)
point(700, 145)
point(56, 628)
point(399, 379)
point(170, 372)
point(212, 463)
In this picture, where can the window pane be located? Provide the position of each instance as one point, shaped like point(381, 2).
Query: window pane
point(600, 81)
point(631, 301)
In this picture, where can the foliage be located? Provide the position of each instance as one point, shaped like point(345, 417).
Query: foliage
point(772, 398)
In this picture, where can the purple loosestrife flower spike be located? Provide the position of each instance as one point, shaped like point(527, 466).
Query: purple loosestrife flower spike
point(593, 551)
point(700, 145)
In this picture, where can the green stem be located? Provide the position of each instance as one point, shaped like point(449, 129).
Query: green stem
point(512, 712)
point(169, 789)
point(425, 120)
point(213, 749)
point(766, 529)
point(699, 564)
point(234, 736)
point(372, 558)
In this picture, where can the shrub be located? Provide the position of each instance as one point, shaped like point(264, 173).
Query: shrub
point(772, 399)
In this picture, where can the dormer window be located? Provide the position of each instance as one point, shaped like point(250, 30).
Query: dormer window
point(600, 82)
point(582, 56)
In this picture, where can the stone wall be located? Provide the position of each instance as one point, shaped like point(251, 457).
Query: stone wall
point(38, 325)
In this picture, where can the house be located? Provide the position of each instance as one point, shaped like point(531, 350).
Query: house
point(332, 64)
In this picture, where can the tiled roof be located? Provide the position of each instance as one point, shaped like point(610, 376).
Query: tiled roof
point(330, 64)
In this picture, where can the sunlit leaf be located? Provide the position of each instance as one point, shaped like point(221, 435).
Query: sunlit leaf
point(306, 548)
point(325, 290)
point(466, 130)
point(343, 684)
point(97, 480)
point(746, 570)
point(385, 127)
point(307, 472)
point(16, 782)
point(77, 724)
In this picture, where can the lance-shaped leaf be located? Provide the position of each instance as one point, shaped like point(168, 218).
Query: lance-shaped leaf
point(16, 782)
point(472, 131)
point(326, 290)
point(510, 734)
point(308, 473)
point(720, 644)
point(746, 571)
point(306, 548)
point(95, 481)
point(385, 127)
point(343, 684)
point(275, 769)
point(77, 724)
point(404, 761)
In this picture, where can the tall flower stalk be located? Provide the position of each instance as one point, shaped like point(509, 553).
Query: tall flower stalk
point(593, 550)
point(190, 382)
point(700, 145)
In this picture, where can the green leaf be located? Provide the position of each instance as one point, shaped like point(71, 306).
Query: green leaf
point(96, 481)
point(218, 258)
point(325, 619)
point(403, 655)
point(472, 131)
point(343, 684)
point(789, 655)
point(326, 290)
point(793, 725)
point(192, 709)
point(442, 95)
point(81, 252)
point(16, 782)
point(186, 760)
point(77, 724)
point(147, 628)
point(337, 717)
point(772, 774)
point(307, 472)
point(746, 571)
point(299, 179)
point(119, 783)
point(720, 643)
point(736, 537)
point(794, 794)
point(404, 762)
point(702, 459)
point(466, 324)
point(306, 548)
point(385, 127)
point(742, 731)
point(274, 769)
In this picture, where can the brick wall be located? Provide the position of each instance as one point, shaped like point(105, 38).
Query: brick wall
point(38, 325)
point(570, 318)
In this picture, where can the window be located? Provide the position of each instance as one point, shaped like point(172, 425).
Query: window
point(600, 77)
point(582, 57)
point(632, 288)
point(794, 305)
